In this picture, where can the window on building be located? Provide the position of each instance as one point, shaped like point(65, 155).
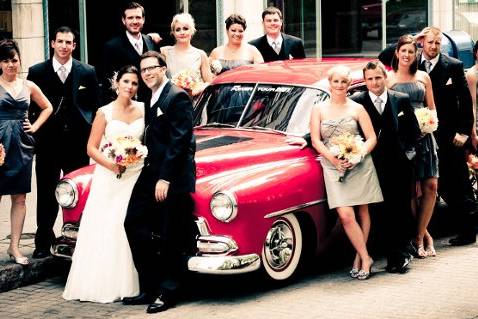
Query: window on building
point(204, 14)
point(405, 17)
point(466, 17)
point(5, 19)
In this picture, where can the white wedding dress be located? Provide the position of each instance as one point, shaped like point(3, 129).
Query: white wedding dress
point(102, 268)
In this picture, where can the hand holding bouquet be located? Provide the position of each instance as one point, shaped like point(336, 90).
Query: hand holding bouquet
point(189, 80)
point(2, 154)
point(125, 151)
point(215, 66)
point(427, 120)
point(347, 147)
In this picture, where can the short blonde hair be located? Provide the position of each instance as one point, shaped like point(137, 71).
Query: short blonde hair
point(185, 18)
point(340, 70)
point(434, 30)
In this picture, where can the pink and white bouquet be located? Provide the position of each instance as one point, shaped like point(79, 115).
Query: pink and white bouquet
point(347, 147)
point(189, 80)
point(126, 151)
point(427, 120)
point(2, 154)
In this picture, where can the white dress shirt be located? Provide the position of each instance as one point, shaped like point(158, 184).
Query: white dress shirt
point(136, 43)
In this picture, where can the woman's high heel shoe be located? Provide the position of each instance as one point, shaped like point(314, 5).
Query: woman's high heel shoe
point(24, 261)
point(421, 253)
point(364, 275)
point(430, 250)
point(354, 272)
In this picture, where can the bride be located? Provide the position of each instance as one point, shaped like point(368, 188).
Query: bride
point(102, 267)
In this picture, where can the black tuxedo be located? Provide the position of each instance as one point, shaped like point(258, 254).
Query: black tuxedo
point(455, 115)
point(397, 132)
point(61, 141)
point(119, 52)
point(291, 47)
point(171, 148)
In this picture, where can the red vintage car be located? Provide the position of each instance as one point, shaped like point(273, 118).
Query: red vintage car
point(258, 201)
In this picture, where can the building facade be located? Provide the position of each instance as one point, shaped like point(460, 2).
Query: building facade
point(339, 27)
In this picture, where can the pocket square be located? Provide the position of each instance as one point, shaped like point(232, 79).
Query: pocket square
point(400, 114)
point(81, 87)
point(159, 112)
point(449, 82)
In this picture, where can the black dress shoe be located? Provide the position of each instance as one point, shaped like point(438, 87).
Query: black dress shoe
point(160, 304)
point(461, 240)
point(141, 299)
point(399, 267)
point(41, 253)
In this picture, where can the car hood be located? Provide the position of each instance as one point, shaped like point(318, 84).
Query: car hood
point(228, 152)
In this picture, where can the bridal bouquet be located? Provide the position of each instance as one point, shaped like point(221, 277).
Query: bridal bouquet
point(2, 154)
point(427, 120)
point(188, 79)
point(125, 151)
point(349, 147)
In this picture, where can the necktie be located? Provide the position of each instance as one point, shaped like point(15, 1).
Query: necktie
point(62, 73)
point(378, 104)
point(276, 47)
point(137, 47)
point(428, 66)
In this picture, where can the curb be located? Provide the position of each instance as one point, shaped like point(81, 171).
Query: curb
point(14, 275)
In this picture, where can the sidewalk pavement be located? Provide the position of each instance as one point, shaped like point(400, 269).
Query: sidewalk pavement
point(13, 275)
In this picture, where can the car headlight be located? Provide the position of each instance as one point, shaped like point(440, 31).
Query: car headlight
point(70, 231)
point(66, 193)
point(224, 206)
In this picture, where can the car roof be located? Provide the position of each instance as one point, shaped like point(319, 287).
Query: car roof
point(310, 71)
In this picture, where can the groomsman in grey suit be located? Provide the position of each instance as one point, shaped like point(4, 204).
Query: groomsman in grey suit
point(276, 45)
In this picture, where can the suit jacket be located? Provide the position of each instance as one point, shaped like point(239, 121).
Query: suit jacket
point(396, 128)
point(452, 99)
point(170, 140)
point(85, 91)
point(292, 47)
point(119, 52)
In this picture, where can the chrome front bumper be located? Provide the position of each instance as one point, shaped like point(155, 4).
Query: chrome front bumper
point(224, 265)
point(216, 254)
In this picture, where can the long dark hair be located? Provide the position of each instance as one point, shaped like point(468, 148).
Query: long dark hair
point(406, 39)
point(8, 49)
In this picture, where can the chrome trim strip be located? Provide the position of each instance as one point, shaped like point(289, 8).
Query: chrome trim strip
point(231, 243)
point(224, 265)
point(294, 208)
point(201, 224)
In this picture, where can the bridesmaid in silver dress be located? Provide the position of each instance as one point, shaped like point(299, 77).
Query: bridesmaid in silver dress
point(360, 185)
point(182, 55)
point(406, 78)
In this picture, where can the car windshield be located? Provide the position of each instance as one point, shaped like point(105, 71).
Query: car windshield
point(278, 107)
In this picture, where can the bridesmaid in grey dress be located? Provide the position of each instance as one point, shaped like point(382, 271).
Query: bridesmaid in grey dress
point(183, 55)
point(406, 78)
point(16, 138)
point(360, 185)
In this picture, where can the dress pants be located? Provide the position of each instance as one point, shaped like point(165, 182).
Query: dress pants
point(60, 153)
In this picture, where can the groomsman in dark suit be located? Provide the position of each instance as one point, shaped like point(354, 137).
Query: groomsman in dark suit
point(161, 204)
point(72, 87)
point(455, 122)
point(397, 131)
point(127, 48)
point(275, 45)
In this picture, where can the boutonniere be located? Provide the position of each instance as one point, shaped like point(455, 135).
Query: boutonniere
point(81, 87)
point(159, 112)
point(400, 114)
point(449, 82)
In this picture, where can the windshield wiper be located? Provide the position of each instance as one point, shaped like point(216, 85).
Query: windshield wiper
point(217, 124)
point(265, 129)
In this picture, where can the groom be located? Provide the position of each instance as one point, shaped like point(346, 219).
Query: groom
point(160, 208)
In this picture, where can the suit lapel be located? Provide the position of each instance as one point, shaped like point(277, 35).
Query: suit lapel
point(285, 49)
point(148, 44)
point(75, 78)
point(160, 102)
point(128, 48)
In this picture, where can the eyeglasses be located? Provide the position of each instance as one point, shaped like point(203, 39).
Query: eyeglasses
point(149, 68)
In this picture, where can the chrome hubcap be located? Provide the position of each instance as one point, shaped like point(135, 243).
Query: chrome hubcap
point(279, 245)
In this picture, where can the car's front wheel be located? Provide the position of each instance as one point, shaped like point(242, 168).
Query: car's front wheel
point(282, 248)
